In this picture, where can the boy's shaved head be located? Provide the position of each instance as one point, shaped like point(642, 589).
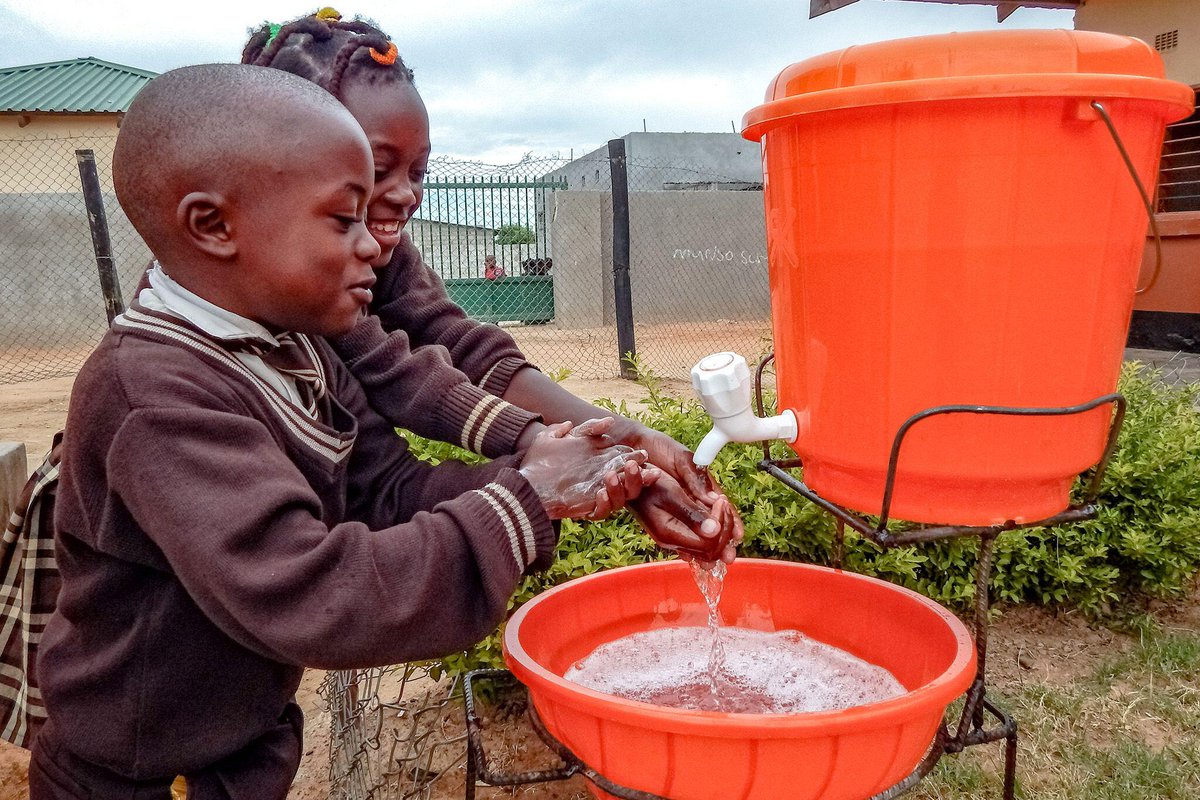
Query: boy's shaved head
point(228, 128)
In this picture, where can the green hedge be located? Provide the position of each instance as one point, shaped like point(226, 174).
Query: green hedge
point(1145, 542)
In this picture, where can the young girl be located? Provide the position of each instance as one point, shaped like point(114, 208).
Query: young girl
point(358, 64)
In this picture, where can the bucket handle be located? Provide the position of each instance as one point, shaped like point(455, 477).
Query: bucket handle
point(1112, 130)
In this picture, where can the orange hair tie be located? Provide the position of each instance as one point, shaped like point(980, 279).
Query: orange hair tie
point(387, 58)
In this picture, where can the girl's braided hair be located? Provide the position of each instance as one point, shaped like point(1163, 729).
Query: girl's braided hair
point(325, 50)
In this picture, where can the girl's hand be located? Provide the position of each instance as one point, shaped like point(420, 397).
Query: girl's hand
point(679, 523)
point(668, 455)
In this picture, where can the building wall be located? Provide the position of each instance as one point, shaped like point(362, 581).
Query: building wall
point(40, 157)
point(683, 267)
point(1146, 19)
point(662, 160)
point(49, 289)
point(1177, 289)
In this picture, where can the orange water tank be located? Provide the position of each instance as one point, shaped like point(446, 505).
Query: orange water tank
point(949, 221)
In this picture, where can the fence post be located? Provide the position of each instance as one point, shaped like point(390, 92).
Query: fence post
point(110, 284)
point(620, 257)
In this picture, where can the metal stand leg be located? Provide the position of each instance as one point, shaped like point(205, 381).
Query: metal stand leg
point(1010, 764)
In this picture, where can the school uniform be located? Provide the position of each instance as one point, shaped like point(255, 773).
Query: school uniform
point(411, 309)
point(414, 384)
point(214, 537)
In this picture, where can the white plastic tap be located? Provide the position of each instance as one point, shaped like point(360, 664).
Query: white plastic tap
point(723, 382)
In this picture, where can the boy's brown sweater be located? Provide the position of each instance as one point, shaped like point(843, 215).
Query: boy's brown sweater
point(211, 542)
point(417, 387)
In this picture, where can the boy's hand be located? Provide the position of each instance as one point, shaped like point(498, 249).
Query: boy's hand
point(680, 523)
point(585, 475)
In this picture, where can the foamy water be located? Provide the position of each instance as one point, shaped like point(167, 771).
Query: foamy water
point(783, 672)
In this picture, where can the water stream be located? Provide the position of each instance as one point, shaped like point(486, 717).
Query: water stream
point(710, 579)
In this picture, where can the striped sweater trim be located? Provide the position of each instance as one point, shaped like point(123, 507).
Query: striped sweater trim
point(486, 425)
point(301, 426)
point(481, 421)
point(473, 423)
point(506, 495)
point(483, 382)
point(516, 523)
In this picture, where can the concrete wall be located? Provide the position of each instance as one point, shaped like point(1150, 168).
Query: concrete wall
point(1145, 19)
point(1176, 288)
point(13, 472)
point(577, 225)
point(660, 160)
point(49, 289)
point(40, 157)
point(694, 256)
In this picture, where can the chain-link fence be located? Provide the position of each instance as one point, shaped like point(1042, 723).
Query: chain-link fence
point(672, 269)
point(51, 307)
point(697, 263)
point(528, 246)
point(531, 247)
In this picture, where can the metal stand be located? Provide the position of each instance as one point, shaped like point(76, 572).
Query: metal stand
point(480, 769)
point(980, 722)
point(972, 728)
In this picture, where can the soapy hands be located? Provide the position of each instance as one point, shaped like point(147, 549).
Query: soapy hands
point(578, 471)
point(621, 462)
point(684, 511)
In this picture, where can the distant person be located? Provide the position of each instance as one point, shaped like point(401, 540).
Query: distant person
point(358, 64)
point(537, 266)
point(491, 270)
point(230, 508)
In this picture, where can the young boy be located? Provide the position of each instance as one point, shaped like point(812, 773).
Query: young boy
point(230, 509)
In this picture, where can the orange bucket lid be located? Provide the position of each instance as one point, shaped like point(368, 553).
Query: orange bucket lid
point(1025, 63)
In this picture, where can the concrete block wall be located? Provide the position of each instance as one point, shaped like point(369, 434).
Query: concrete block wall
point(694, 256)
point(13, 474)
point(49, 288)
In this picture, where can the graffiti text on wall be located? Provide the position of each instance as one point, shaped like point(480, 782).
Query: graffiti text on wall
point(720, 255)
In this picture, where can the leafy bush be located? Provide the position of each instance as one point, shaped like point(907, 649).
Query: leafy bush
point(1145, 541)
point(514, 234)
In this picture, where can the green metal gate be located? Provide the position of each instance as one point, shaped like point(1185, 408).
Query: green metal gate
point(489, 239)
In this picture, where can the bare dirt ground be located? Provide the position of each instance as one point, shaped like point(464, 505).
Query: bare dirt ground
point(1027, 644)
point(667, 350)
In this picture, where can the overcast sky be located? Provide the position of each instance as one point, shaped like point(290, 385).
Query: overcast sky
point(507, 77)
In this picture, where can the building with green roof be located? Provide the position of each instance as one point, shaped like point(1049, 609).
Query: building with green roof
point(79, 86)
point(47, 111)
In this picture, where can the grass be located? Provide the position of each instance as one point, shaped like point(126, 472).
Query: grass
point(1129, 730)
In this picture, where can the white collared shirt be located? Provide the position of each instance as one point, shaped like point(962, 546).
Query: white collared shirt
point(165, 296)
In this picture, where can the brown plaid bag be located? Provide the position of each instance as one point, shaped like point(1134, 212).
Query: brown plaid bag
point(28, 594)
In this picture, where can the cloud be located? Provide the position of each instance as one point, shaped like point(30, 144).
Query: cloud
point(512, 76)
